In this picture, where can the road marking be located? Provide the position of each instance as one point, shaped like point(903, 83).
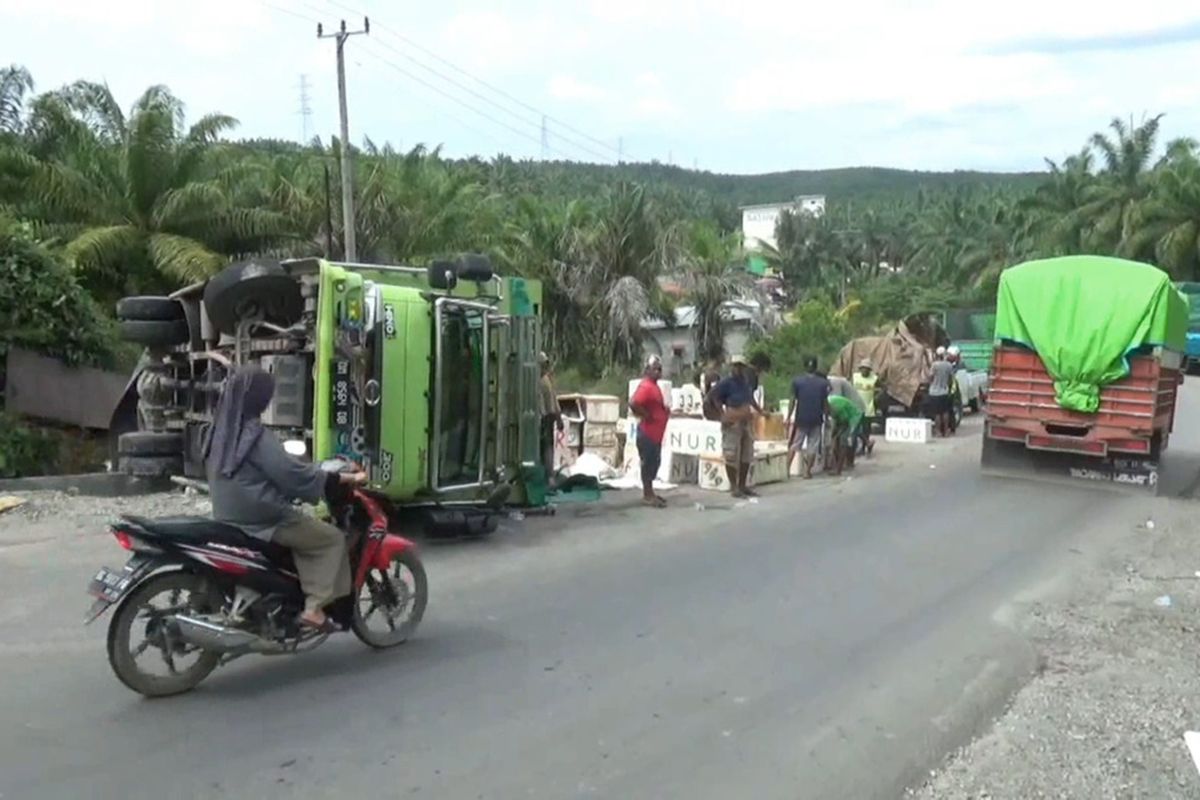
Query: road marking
point(1192, 740)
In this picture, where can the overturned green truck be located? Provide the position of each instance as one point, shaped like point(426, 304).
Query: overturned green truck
point(427, 377)
point(1086, 370)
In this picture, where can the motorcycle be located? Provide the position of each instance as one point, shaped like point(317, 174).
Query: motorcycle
point(202, 593)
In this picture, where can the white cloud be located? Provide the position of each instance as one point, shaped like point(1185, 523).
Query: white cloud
point(568, 87)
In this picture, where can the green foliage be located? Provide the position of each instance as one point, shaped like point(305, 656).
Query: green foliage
point(27, 449)
point(815, 328)
point(44, 309)
point(24, 449)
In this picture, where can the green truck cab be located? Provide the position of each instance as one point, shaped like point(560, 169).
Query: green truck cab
point(426, 377)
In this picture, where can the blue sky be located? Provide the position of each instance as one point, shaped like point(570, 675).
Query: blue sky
point(730, 87)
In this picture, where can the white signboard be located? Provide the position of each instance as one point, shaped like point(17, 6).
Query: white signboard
point(687, 401)
point(908, 430)
point(695, 437)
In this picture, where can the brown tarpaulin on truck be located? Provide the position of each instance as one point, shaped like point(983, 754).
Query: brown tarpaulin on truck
point(900, 359)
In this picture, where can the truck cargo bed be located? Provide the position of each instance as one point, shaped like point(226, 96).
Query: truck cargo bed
point(1136, 413)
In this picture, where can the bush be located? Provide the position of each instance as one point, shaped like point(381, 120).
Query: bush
point(814, 329)
point(24, 450)
point(28, 449)
point(44, 309)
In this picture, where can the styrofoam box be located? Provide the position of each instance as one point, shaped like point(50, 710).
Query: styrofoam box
point(602, 408)
point(906, 430)
point(768, 468)
point(685, 469)
point(599, 434)
point(712, 474)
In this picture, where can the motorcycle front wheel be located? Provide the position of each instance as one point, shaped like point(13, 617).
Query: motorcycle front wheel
point(146, 611)
point(389, 605)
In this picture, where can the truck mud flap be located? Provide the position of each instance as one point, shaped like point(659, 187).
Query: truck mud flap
point(1115, 473)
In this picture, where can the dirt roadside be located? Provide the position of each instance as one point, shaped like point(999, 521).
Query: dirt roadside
point(1117, 688)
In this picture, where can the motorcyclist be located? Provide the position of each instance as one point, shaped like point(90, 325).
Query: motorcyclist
point(253, 483)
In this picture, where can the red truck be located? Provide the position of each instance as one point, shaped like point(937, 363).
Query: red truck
point(1085, 372)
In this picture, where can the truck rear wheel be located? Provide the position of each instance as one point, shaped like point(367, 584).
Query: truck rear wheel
point(154, 333)
point(152, 466)
point(150, 443)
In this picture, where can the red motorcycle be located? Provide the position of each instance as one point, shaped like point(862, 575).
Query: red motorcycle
point(200, 594)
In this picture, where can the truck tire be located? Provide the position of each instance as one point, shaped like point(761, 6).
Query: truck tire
point(151, 466)
point(154, 333)
point(150, 443)
point(252, 289)
point(149, 309)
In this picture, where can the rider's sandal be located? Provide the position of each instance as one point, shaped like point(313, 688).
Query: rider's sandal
point(328, 626)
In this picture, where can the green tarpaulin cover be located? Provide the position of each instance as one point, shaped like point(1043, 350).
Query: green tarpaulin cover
point(1083, 315)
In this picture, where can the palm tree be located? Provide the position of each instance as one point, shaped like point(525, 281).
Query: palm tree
point(1054, 208)
point(15, 83)
point(1165, 226)
point(134, 188)
point(1122, 181)
point(713, 276)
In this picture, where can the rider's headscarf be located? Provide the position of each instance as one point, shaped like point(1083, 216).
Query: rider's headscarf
point(236, 425)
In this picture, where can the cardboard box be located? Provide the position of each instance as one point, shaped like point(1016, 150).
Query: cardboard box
point(770, 428)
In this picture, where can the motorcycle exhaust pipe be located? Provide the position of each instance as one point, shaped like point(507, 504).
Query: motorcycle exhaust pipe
point(222, 638)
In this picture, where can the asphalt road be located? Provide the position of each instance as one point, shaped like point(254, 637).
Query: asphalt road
point(833, 640)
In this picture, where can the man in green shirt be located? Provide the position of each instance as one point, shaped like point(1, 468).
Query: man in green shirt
point(845, 417)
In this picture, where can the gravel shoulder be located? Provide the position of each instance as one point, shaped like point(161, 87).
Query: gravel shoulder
point(1116, 687)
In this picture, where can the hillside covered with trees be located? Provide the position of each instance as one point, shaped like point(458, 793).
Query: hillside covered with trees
point(144, 198)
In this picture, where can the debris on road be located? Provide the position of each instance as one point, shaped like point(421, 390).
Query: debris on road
point(9, 502)
point(1163, 601)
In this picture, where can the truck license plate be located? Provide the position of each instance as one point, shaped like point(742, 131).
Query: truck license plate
point(341, 393)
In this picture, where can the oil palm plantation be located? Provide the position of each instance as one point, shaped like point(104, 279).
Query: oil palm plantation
point(134, 193)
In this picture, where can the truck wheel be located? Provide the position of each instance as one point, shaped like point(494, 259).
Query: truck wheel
point(149, 309)
point(150, 443)
point(151, 466)
point(252, 290)
point(154, 333)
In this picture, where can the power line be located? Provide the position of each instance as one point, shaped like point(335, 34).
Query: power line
point(447, 115)
point(484, 98)
point(458, 101)
point(387, 30)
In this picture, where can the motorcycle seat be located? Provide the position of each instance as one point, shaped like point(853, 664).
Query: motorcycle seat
point(202, 530)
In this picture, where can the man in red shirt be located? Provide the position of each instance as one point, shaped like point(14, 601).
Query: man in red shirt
point(652, 412)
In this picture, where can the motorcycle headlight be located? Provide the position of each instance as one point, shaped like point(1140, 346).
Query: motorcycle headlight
point(295, 447)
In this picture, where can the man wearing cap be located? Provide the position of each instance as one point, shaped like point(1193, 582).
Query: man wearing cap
point(653, 413)
point(550, 415)
point(735, 398)
point(866, 382)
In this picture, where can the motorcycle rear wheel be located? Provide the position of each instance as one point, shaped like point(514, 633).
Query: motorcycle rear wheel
point(399, 602)
point(137, 606)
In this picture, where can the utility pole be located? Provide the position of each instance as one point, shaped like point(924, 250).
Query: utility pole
point(620, 149)
point(545, 139)
point(341, 36)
